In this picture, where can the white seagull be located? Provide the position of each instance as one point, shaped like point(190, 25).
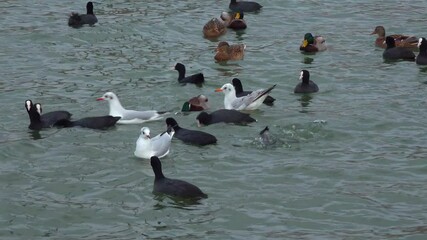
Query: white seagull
point(128, 116)
point(158, 146)
point(251, 101)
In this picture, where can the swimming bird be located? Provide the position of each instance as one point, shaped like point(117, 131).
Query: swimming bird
point(78, 20)
point(244, 6)
point(190, 136)
point(306, 85)
point(198, 103)
point(158, 146)
point(251, 101)
point(265, 137)
point(47, 120)
point(397, 53)
point(100, 122)
point(240, 93)
point(224, 51)
point(422, 56)
point(312, 43)
point(223, 115)
point(128, 116)
point(214, 28)
point(172, 187)
point(399, 39)
point(197, 78)
point(234, 20)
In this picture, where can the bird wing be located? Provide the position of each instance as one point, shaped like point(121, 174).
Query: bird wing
point(144, 115)
point(161, 144)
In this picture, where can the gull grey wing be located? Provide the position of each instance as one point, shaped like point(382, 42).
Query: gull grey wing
point(161, 144)
point(144, 115)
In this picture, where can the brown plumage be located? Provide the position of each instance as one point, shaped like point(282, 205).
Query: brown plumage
point(225, 51)
point(399, 39)
point(214, 28)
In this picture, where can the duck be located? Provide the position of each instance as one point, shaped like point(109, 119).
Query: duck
point(251, 101)
point(312, 43)
point(399, 39)
point(173, 187)
point(198, 103)
point(244, 6)
point(158, 146)
point(78, 20)
point(189, 136)
point(240, 93)
point(225, 52)
point(234, 20)
point(225, 116)
point(128, 116)
point(47, 120)
point(306, 85)
point(197, 78)
point(422, 56)
point(397, 53)
point(214, 28)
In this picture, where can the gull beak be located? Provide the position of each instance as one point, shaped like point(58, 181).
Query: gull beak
point(100, 99)
point(218, 90)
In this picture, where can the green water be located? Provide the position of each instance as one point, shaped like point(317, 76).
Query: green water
point(349, 162)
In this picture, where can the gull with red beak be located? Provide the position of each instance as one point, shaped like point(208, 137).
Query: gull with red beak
point(158, 146)
point(128, 116)
point(251, 101)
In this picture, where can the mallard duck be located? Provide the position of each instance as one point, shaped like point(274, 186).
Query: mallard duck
point(77, 20)
point(397, 53)
point(234, 20)
point(214, 28)
point(225, 51)
point(312, 43)
point(422, 57)
point(198, 103)
point(306, 85)
point(244, 6)
point(399, 39)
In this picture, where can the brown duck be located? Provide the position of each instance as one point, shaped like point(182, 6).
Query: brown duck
point(225, 51)
point(214, 28)
point(399, 39)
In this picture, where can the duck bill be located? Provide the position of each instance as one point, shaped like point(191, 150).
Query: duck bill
point(304, 43)
point(374, 32)
point(218, 90)
point(100, 99)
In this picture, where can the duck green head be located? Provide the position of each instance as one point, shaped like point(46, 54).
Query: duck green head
point(308, 39)
point(186, 107)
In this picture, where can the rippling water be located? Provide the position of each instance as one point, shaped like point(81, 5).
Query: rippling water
point(349, 161)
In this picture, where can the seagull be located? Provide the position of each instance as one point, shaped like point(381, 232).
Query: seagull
point(251, 101)
point(240, 93)
point(128, 116)
point(159, 146)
